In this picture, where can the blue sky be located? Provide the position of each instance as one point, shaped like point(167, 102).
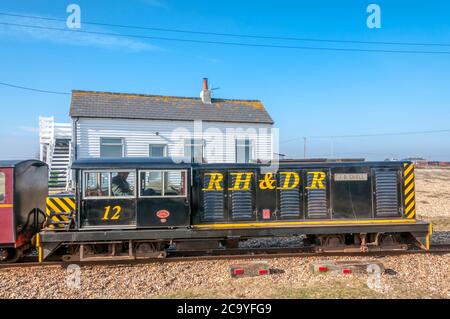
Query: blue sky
point(307, 92)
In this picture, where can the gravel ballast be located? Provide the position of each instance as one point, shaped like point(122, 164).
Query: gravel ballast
point(408, 276)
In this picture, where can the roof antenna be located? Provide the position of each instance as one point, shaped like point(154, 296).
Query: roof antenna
point(213, 88)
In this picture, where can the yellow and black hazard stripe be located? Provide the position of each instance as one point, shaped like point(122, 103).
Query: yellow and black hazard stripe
point(59, 211)
point(409, 194)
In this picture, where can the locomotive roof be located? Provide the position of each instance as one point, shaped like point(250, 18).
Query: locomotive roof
point(168, 162)
point(131, 162)
point(14, 163)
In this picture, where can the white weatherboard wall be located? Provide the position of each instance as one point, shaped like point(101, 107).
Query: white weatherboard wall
point(138, 134)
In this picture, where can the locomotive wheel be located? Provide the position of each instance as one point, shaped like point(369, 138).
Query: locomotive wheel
point(144, 248)
point(150, 250)
point(332, 241)
point(3, 255)
point(388, 239)
point(328, 243)
point(75, 253)
point(9, 255)
point(393, 240)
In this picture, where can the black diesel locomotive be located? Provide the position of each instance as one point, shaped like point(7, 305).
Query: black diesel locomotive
point(143, 207)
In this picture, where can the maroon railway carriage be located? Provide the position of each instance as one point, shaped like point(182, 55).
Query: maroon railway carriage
point(23, 189)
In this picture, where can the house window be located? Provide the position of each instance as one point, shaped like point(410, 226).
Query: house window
point(111, 147)
point(162, 183)
point(157, 150)
point(244, 151)
point(193, 148)
point(2, 187)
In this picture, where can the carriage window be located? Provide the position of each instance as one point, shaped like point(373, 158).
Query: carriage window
point(174, 183)
point(162, 183)
point(96, 184)
point(2, 187)
point(122, 184)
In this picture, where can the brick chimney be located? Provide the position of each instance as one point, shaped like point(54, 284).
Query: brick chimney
point(205, 94)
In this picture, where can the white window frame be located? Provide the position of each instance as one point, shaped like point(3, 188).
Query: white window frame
point(251, 152)
point(111, 137)
point(162, 171)
point(192, 144)
point(166, 149)
point(84, 177)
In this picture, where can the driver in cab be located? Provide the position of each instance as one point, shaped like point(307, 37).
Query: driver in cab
point(120, 185)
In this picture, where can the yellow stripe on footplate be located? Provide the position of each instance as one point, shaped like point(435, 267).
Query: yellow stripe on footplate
point(409, 194)
point(304, 223)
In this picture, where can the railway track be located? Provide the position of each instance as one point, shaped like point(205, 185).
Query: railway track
point(240, 253)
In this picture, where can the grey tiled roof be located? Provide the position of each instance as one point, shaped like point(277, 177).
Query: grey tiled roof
point(158, 107)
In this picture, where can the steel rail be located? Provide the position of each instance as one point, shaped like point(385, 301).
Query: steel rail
point(229, 254)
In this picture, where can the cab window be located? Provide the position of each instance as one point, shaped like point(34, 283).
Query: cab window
point(109, 184)
point(122, 184)
point(151, 183)
point(97, 184)
point(174, 183)
point(162, 183)
point(2, 187)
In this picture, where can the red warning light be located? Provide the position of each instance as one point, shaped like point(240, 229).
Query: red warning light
point(263, 272)
point(239, 271)
point(323, 268)
point(346, 271)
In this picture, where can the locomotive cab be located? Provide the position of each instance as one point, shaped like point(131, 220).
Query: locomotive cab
point(132, 194)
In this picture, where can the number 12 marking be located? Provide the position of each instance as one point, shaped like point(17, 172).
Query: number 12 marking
point(116, 214)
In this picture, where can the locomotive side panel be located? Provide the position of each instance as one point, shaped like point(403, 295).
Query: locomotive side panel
point(362, 191)
point(351, 194)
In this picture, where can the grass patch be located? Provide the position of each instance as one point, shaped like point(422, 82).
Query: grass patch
point(337, 291)
point(190, 294)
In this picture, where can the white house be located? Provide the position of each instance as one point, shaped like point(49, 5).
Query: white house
point(204, 129)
